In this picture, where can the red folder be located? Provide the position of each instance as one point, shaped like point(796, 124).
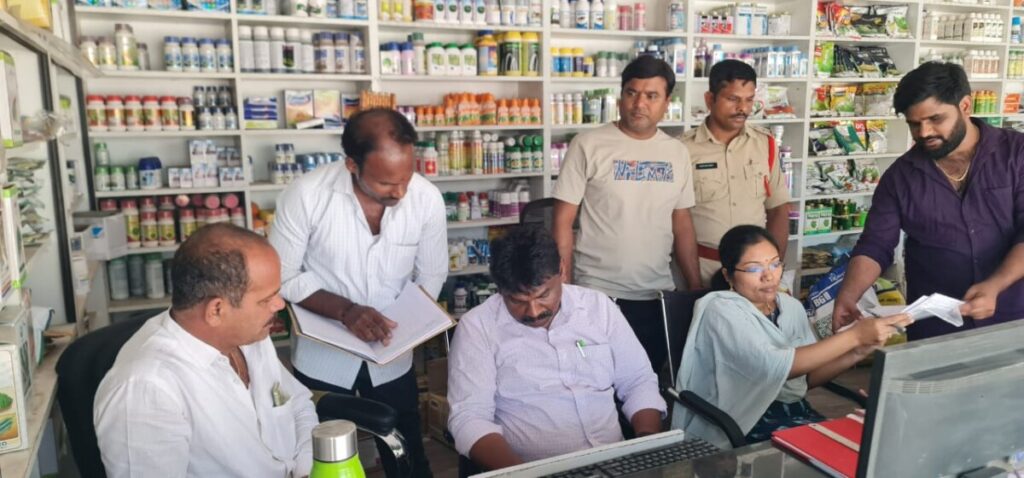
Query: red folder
point(832, 449)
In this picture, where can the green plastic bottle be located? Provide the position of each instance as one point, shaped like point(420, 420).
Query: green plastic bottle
point(335, 453)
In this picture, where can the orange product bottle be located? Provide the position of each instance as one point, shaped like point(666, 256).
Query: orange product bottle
point(535, 111)
point(449, 112)
point(488, 110)
point(502, 113)
point(515, 112)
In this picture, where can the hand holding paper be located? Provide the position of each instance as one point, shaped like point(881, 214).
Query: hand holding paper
point(934, 305)
point(981, 300)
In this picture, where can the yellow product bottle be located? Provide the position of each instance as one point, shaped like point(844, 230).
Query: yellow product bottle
point(577, 62)
point(511, 54)
point(566, 56)
point(487, 56)
point(530, 63)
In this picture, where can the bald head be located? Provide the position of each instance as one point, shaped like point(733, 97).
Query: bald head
point(369, 131)
point(212, 263)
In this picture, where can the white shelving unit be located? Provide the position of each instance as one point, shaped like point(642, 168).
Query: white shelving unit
point(152, 25)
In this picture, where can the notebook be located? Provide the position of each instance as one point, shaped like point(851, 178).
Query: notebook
point(832, 446)
point(419, 319)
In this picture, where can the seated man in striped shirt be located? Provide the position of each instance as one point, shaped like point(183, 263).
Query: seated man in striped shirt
point(534, 370)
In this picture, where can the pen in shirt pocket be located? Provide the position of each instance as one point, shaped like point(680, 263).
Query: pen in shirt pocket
point(579, 345)
point(277, 396)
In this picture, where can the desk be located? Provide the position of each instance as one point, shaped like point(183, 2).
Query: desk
point(760, 460)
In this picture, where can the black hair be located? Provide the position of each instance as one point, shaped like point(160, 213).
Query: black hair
point(211, 264)
point(647, 66)
point(734, 243)
point(365, 130)
point(945, 82)
point(728, 71)
point(523, 259)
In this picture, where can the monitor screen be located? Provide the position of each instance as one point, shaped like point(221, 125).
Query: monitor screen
point(946, 405)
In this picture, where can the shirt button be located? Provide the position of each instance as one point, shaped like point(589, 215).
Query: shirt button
point(734, 204)
point(972, 231)
point(733, 176)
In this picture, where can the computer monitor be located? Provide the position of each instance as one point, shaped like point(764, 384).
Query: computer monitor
point(946, 405)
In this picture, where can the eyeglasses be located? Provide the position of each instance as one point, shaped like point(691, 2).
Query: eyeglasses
point(760, 268)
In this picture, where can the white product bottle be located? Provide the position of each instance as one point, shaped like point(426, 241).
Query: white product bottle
point(536, 16)
point(358, 53)
point(522, 13)
point(492, 12)
point(261, 49)
point(597, 15)
point(583, 14)
point(308, 52)
point(480, 12)
point(293, 50)
point(508, 12)
point(246, 49)
point(611, 15)
point(466, 12)
point(451, 11)
point(565, 14)
point(346, 8)
point(277, 50)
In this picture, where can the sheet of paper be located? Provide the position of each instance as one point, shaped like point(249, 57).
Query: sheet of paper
point(419, 318)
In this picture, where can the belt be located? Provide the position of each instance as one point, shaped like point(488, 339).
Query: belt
point(708, 253)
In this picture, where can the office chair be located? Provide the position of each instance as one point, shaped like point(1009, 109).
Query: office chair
point(677, 315)
point(87, 360)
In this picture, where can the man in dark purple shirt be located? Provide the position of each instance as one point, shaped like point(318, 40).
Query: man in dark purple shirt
point(959, 196)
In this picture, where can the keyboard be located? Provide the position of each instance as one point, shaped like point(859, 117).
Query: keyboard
point(688, 449)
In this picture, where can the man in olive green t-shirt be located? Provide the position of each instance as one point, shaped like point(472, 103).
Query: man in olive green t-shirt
point(631, 185)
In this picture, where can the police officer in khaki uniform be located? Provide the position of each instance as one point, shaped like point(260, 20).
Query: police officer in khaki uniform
point(737, 177)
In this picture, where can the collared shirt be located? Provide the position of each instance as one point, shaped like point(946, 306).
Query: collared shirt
point(172, 406)
point(737, 359)
point(536, 387)
point(952, 243)
point(627, 190)
point(729, 181)
point(325, 242)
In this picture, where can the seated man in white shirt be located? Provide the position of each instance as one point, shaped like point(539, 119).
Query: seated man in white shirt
point(199, 391)
point(534, 370)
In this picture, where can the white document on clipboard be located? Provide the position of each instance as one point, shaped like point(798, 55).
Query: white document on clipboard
point(419, 319)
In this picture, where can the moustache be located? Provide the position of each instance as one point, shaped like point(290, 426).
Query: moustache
point(540, 318)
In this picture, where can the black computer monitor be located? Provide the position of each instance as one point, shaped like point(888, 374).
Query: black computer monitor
point(946, 405)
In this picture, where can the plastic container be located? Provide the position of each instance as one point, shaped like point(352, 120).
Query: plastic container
point(133, 113)
point(530, 62)
point(96, 113)
point(469, 60)
point(117, 273)
point(131, 220)
point(342, 53)
point(308, 56)
point(246, 49)
point(106, 54)
point(165, 223)
point(169, 113)
point(190, 61)
point(137, 275)
point(487, 55)
point(437, 60)
point(150, 230)
point(90, 50)
point(155, 276)
point(186, 114)
point(186, 224)
point(277, 44)
point(172, 54)
point(225, 58)
point(115, 114)
point(127, 48)
point(150, 173)
point(260, 49)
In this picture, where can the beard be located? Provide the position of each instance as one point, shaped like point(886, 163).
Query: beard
point(948, 145)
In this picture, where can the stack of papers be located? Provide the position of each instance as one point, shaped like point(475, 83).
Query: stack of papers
point(934, 305)
point(419, 319)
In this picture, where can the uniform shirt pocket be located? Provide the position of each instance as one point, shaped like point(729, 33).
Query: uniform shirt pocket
point(277, 427)
point(756, 175)
point(709, 183)
point(399, 261)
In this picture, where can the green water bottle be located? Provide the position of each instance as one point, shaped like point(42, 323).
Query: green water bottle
point(335, 454)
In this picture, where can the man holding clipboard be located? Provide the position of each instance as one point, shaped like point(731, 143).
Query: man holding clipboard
point(351, 236)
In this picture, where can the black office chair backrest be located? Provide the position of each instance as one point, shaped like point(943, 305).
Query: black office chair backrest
point(678, 317)
point(538, 211)
point(79, 373)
